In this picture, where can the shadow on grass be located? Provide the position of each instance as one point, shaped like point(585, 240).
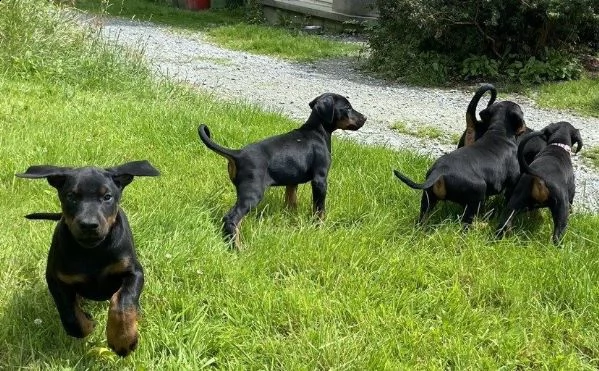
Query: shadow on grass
point(34, 337)
point(526, 224)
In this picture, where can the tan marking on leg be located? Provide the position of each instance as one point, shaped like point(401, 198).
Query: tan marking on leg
point(540, 192)
point(71, 279)
point(85, 323)
point(291, 196)
point(121, 329)
point(439, 188)
point(232, 169)
point(470, 136)
point(120, 266)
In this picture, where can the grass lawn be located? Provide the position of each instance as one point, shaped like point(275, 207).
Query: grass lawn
point(365, 291)
point(581, 95)
point(227, 28)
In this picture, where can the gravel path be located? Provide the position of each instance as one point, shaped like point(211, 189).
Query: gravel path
point(287, 87)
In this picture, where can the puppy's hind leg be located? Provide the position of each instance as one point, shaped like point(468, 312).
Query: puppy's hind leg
point(291, 197)
point(427, 203)
point(559, 212)
point(248, 197)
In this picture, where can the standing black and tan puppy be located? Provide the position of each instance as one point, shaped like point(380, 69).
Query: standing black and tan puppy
point(470, 174)
point(299, 156)
point(475, 128)
point(548, 181)
point(92, 254)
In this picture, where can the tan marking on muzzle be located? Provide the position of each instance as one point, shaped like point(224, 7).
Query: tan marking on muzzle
point(539, 192)
point(439, 188)
point(346, 124)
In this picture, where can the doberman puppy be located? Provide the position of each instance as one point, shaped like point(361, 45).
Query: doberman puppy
point(548, 181)
point(476, 128)
point(299, 156)
point(470, 174)
point(92, 254)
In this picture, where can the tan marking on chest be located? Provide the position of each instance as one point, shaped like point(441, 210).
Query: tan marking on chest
point(439, 188)
point(539, 192)
point(119, 267)
point(71, 279)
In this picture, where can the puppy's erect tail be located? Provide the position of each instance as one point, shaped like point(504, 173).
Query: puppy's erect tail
point(471, 121)
point(44, 216)
point(204, 134)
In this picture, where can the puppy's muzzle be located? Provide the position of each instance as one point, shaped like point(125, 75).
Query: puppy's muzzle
point(89, 232)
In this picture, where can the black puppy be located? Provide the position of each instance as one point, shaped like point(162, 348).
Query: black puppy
point(548, 181)
point(299, 156)
point(476, 128)
point(92, 254)
point(470, 174)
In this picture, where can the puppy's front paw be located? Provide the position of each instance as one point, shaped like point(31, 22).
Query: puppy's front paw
point(121, 331)
point(81, 327)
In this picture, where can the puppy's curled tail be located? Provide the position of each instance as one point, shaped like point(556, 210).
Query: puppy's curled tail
point(204, 134)
point(44, 216)
point(429, 182)
point(471, 121)
point(471, 110)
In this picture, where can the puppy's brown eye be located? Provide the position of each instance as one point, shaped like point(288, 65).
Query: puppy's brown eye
point(107, 197)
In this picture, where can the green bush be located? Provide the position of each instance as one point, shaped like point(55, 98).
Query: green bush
point(512, 39)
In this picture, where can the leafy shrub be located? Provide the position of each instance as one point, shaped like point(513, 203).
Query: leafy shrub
point(485, 39)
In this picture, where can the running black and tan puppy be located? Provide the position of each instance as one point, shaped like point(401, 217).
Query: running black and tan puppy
point(548, 181)
point(470, 174)
point(299, 156)
point(92, 254)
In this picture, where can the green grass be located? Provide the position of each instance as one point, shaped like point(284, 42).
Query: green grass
point(281, 42)
point(367, 290)
point(591, 155)
point(425, 132)
point(581, 96)
point(227, 28)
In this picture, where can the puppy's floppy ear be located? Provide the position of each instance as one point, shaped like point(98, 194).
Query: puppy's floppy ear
point(576, 138)
point(324, 106)
point(123, 174)
point(55, 175)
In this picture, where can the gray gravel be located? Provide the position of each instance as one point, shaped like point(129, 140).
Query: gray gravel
point(287, 87)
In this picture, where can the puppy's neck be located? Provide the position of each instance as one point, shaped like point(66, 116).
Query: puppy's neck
point(565, 147)
point(315, 122)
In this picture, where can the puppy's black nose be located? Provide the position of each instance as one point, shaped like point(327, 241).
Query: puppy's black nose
point(88, 225)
